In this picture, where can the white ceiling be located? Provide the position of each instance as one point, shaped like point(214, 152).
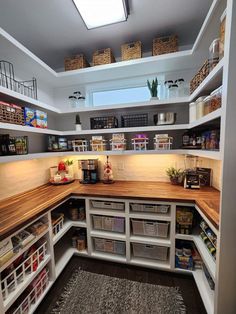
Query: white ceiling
point(53, 29)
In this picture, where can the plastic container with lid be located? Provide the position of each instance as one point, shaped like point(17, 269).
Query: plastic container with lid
point(222, 34)
point(181, 87)
point(173, 91)
point(214, 53)
point(166, 89)
point(207, 105)
point(192, 112)
point(200, 106)
point(216, 99)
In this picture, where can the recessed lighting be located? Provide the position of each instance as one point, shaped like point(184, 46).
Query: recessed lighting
point(97, 13)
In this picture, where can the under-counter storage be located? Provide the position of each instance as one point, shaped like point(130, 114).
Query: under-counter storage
point(109, 246)
point(150, 208)
point(150, 228)
point(29, 298)
point(115, 224)
point(150, 251)
point(98, 204)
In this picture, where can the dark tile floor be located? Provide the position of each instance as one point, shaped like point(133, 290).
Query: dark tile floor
point(186, 283)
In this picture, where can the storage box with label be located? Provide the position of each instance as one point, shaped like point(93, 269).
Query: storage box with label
point(41, 119)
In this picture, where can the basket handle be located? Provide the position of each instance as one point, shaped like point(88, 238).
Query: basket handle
point(100, 51)
point(148, 246)
point(131, 45)
point(165, 39)
point(107, 203)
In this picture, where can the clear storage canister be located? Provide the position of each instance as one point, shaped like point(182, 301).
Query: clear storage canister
point(207, 105)
point(181, 87)
point(173, 91)
point(192, 112)
point(200, 106)
point(216, 99)
point(166, 89)
point(214, 53)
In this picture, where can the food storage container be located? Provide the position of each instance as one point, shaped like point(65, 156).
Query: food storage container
point(207, 105)
point(216, 99)
point(166, 89)
point(118, 142)
point(181, 87)
point(192, 112)
point(173, 91)
point(222, 34)
point(200, 107)
point(80, 145)
point(98, 144)
point(214, 53)
point(164, 118)
point(163, 141)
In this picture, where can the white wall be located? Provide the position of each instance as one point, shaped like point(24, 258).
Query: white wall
point(21, 176)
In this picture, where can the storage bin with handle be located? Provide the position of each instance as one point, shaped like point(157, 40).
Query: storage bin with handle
point(150, 251)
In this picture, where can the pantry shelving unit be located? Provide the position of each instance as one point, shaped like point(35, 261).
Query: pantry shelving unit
point(222, 299)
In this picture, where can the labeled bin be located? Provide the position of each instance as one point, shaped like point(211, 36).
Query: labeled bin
point(150, 208)
point(108, 205)
point(150, 228)
point(115, 224)
point(109, 246)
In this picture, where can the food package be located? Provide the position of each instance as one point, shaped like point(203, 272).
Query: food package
point(41, 119)
point(29, 116)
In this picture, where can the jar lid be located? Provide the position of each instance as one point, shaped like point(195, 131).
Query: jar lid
point(192, 103)
point(168, 82)
point(179, 80)
point(218, 90)
point(173, 85)
point(201, 98)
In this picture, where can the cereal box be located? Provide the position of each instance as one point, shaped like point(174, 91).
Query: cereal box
point(29, 116)
point(41, 119)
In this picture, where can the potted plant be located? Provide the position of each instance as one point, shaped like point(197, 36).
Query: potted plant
point(152, 86)
point(78, 125)
point(70, 167)
point(175, 175)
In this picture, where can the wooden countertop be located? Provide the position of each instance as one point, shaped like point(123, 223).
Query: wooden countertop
point(20, 209)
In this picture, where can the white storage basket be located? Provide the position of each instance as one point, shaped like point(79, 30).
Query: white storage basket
point(115, 224)
point(151, 208)
point(150, 228)
point(108, 205)
point(150, 251)
point(162, 229)
point(80, 145)
point(109, 246)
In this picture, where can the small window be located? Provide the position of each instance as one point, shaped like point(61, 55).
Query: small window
point(120, 96)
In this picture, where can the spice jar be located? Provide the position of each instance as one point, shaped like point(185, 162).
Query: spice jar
point(207, 105)
point(214, 53)
point(200, 107)
point(192, 112)
point(216, 99)
point(173, 91)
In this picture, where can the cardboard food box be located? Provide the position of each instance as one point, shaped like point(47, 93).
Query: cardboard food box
point(29, 116)
point(41, 119)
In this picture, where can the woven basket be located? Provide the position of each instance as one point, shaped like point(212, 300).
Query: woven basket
point(76, 62)
point(131, 51)
point(103, 56)
point(200, 76)
point(164, 45)
point(10, 113)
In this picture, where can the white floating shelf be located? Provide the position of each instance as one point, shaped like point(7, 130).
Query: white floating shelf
point(29, 129)
point(205, 255)
point(109, 256)
point(65, 255)
point(201, 153)
point(130, 130)
point(150, 216)
point(205, 291)
point(211, 82)
point(146, 104)
point(206, 119)
point(11, 96)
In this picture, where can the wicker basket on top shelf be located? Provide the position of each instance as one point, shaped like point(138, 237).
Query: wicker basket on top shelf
point(199, 76)
point(103, 56)
point(164, 45)
point(10, 113)
point(131, 51)
point(76, 62)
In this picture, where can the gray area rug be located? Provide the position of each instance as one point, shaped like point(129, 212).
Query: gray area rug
point(90, 293)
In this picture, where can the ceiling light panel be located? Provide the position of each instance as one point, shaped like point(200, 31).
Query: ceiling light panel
point(97, 13)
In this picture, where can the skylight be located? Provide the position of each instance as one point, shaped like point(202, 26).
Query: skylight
point(97, 13)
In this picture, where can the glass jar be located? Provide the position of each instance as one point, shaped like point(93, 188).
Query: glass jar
point(216, 99)
point(214, 53)
point(181, 87)
point(166, 89)
point(207, 105)
point(222, 34)
point(192, 112)
point(72, 100)
point(200, 107)
point(173, 91)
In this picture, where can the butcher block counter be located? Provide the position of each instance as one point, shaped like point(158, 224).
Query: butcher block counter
point(22, 208)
